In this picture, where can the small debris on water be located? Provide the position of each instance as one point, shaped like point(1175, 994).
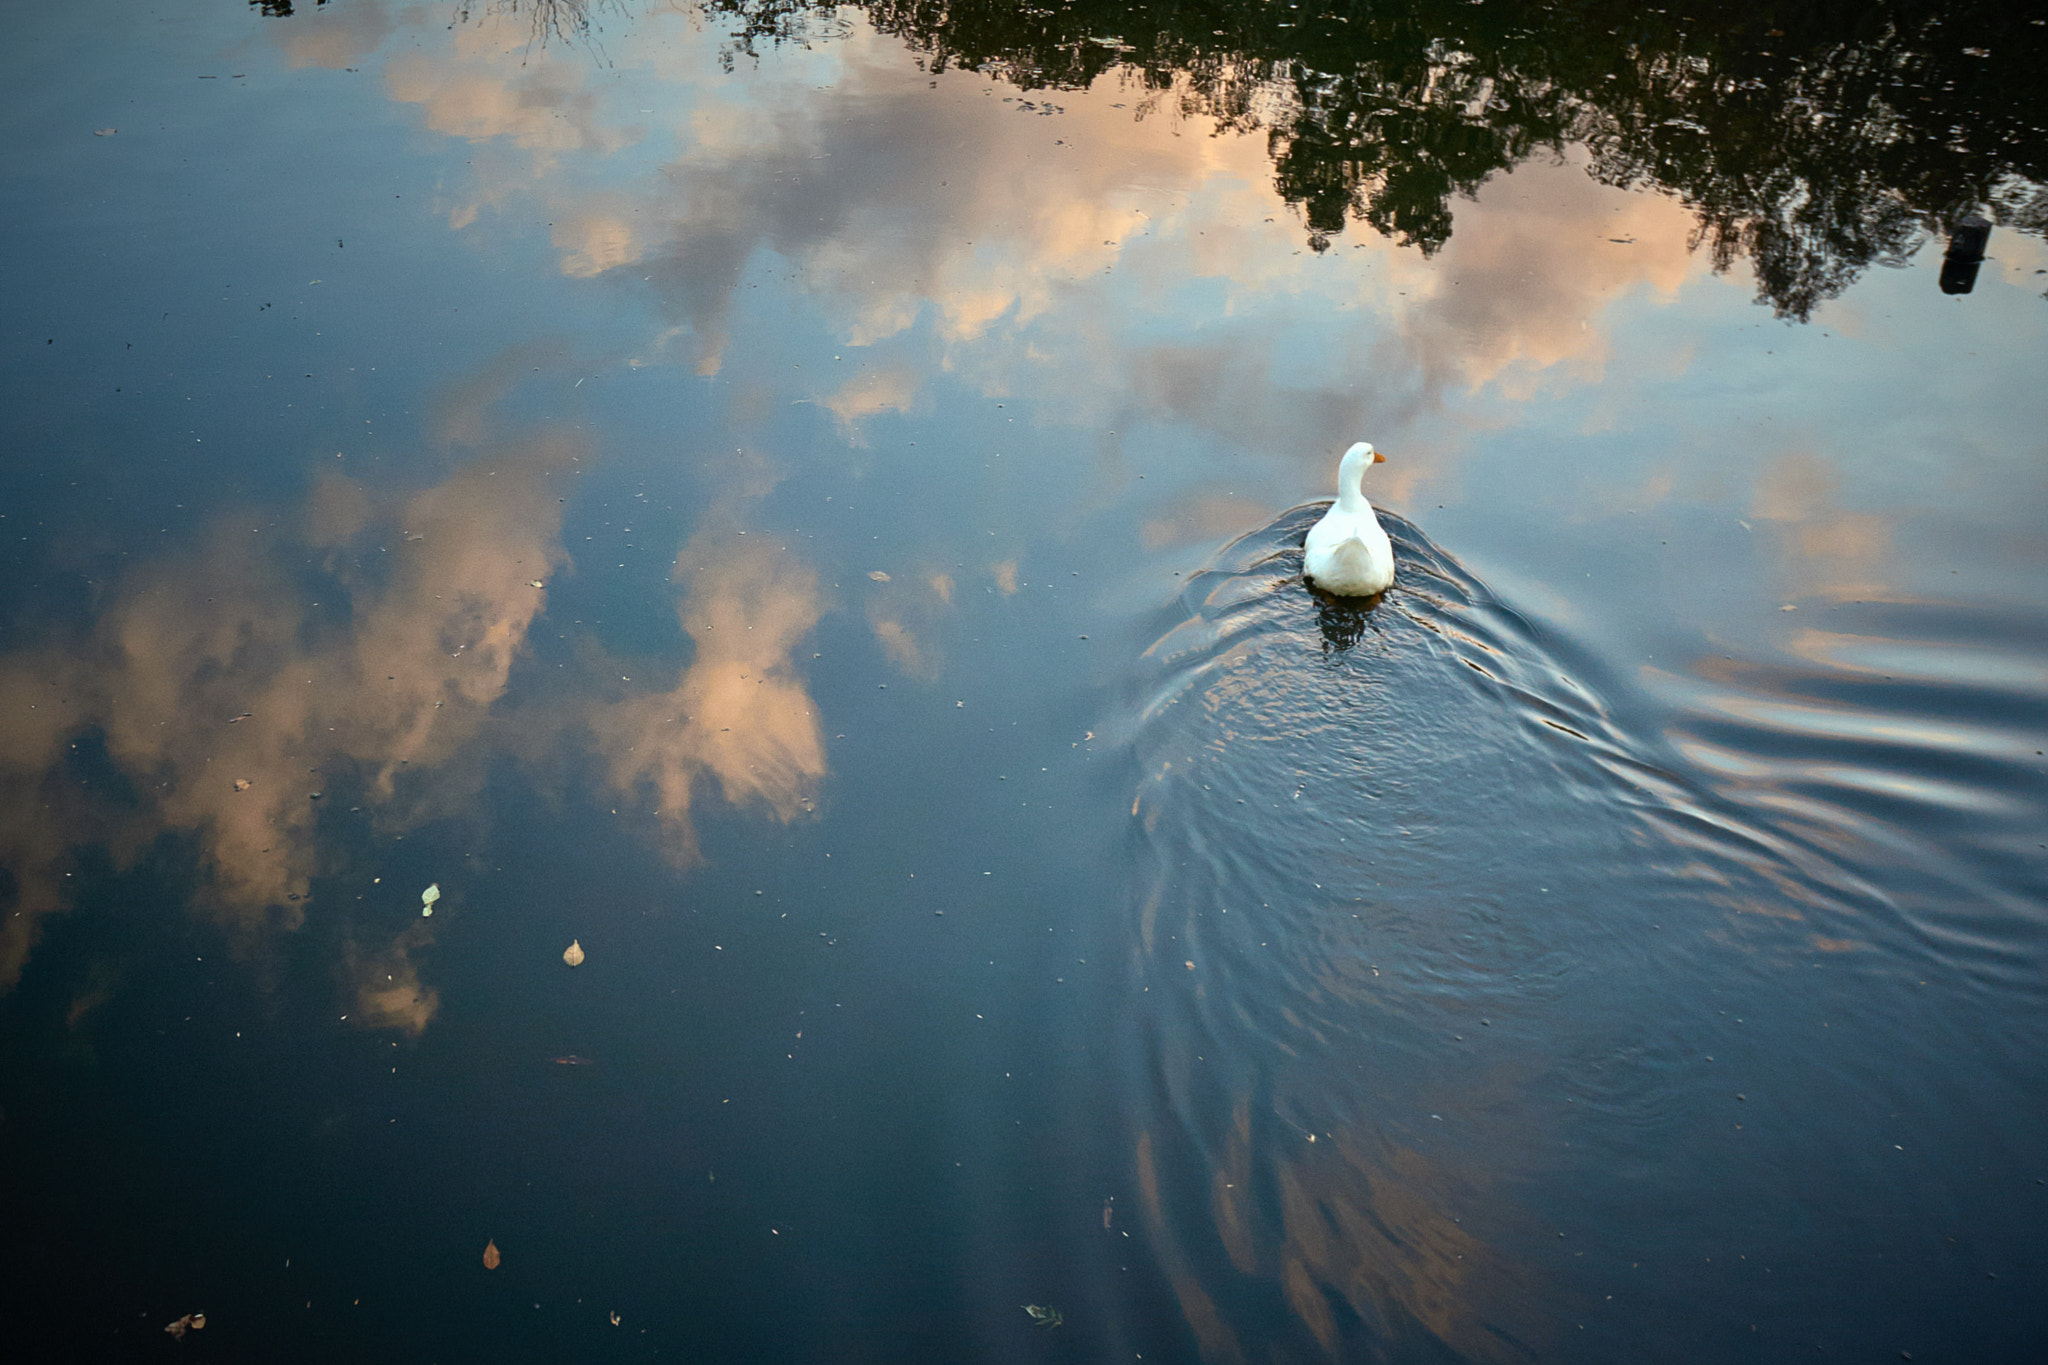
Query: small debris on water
point(427, 899)
point(109, 132)
point(534, 583)
point(1044, 1315)
point(878, 575)
point(241, 784)
point(491, 1256)
point(573, 954)
point(615, 1319)
point(190, 1322)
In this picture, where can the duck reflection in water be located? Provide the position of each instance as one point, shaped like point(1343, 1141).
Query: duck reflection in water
point(1344, 620)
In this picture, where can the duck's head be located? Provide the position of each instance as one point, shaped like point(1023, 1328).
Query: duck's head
point(1349, 474)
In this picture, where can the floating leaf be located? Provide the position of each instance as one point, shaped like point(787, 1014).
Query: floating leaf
point(878, 575)
point(241, 784)
point(109, 132)
point(491, 1256)
point(533, 583)
point(615, 1319)
point(573, 954)
point(1044, 1315)
point(427, 899)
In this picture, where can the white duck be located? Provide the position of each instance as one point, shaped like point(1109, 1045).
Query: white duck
point(1347, 553)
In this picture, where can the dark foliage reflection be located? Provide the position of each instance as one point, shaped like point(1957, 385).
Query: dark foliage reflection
point(1812, 140)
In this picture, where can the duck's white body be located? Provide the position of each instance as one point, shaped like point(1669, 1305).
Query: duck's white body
point(1347, 553)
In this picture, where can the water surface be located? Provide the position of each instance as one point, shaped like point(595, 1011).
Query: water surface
point(797, 500)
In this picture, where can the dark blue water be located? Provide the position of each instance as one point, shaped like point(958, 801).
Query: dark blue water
point(1470, 1001)
point(790, 501)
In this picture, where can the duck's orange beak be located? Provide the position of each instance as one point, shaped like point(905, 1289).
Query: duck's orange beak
point(1378, 458)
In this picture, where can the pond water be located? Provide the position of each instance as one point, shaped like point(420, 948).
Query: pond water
point(805, 503)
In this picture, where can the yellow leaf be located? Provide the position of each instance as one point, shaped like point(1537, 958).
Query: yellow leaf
point(491, 1256)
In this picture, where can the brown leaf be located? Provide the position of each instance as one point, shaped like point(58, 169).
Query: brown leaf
point(573, 954)
point(491, 1256)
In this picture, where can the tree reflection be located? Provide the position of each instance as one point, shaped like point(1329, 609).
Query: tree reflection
point(1810, 139)
point(557, 21)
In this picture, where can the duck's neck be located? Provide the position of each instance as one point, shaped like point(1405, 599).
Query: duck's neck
point(1350, 474)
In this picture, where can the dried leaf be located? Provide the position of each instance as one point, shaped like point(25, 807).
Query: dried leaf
point(191, 1321)
point(878, 575)
point(491, 1256)
point(427, 899)
point(573, 954)
point(615, 1319)
point(241, 784)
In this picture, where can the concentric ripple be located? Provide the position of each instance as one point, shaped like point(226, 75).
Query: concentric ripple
point(1458, 1004)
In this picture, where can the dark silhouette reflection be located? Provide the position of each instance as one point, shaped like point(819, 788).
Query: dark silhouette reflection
point(1343, 620)
point(1965, 253)
point(1811, 140)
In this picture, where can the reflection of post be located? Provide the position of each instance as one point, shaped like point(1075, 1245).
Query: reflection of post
point(1966, 242)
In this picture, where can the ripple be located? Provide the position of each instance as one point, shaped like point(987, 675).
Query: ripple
point(1908, 738)
point(1434, 957)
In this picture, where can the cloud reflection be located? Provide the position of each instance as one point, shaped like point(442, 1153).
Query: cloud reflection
point(388, 990)
point(1022, 253)
point(288, 684)
point(237, 690)
point(1822, 549)
point(739, 714)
